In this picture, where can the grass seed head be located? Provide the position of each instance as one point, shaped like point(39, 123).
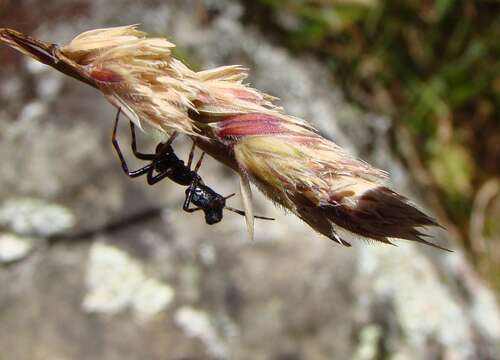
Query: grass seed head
point(238, 125)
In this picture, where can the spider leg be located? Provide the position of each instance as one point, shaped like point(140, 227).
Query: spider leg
point(138, 154)
point(191, 155)
point(189, 195)
point(132, 174)
point(198, 164)
point(153, 179)
point(191, 210)
point(242, 213)
point(195, 182)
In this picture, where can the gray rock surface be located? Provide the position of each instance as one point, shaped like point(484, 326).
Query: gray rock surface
point(167, 286)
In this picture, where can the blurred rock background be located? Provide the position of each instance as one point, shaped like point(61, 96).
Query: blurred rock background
point(94, 265)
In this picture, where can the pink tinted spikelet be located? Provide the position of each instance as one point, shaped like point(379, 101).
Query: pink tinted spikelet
point(240, 126)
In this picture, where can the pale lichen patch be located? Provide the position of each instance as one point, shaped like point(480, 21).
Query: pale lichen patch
point(117, 282)
point(35, 217)
point(424, 309)
point(14, 248)
point(196, 323)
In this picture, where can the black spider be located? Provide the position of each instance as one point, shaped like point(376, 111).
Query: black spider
point(165, 163)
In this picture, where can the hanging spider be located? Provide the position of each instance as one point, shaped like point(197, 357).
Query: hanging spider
point(165, 163)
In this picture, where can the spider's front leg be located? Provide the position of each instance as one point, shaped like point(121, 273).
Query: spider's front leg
point(125, 168)
point(138, 154)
